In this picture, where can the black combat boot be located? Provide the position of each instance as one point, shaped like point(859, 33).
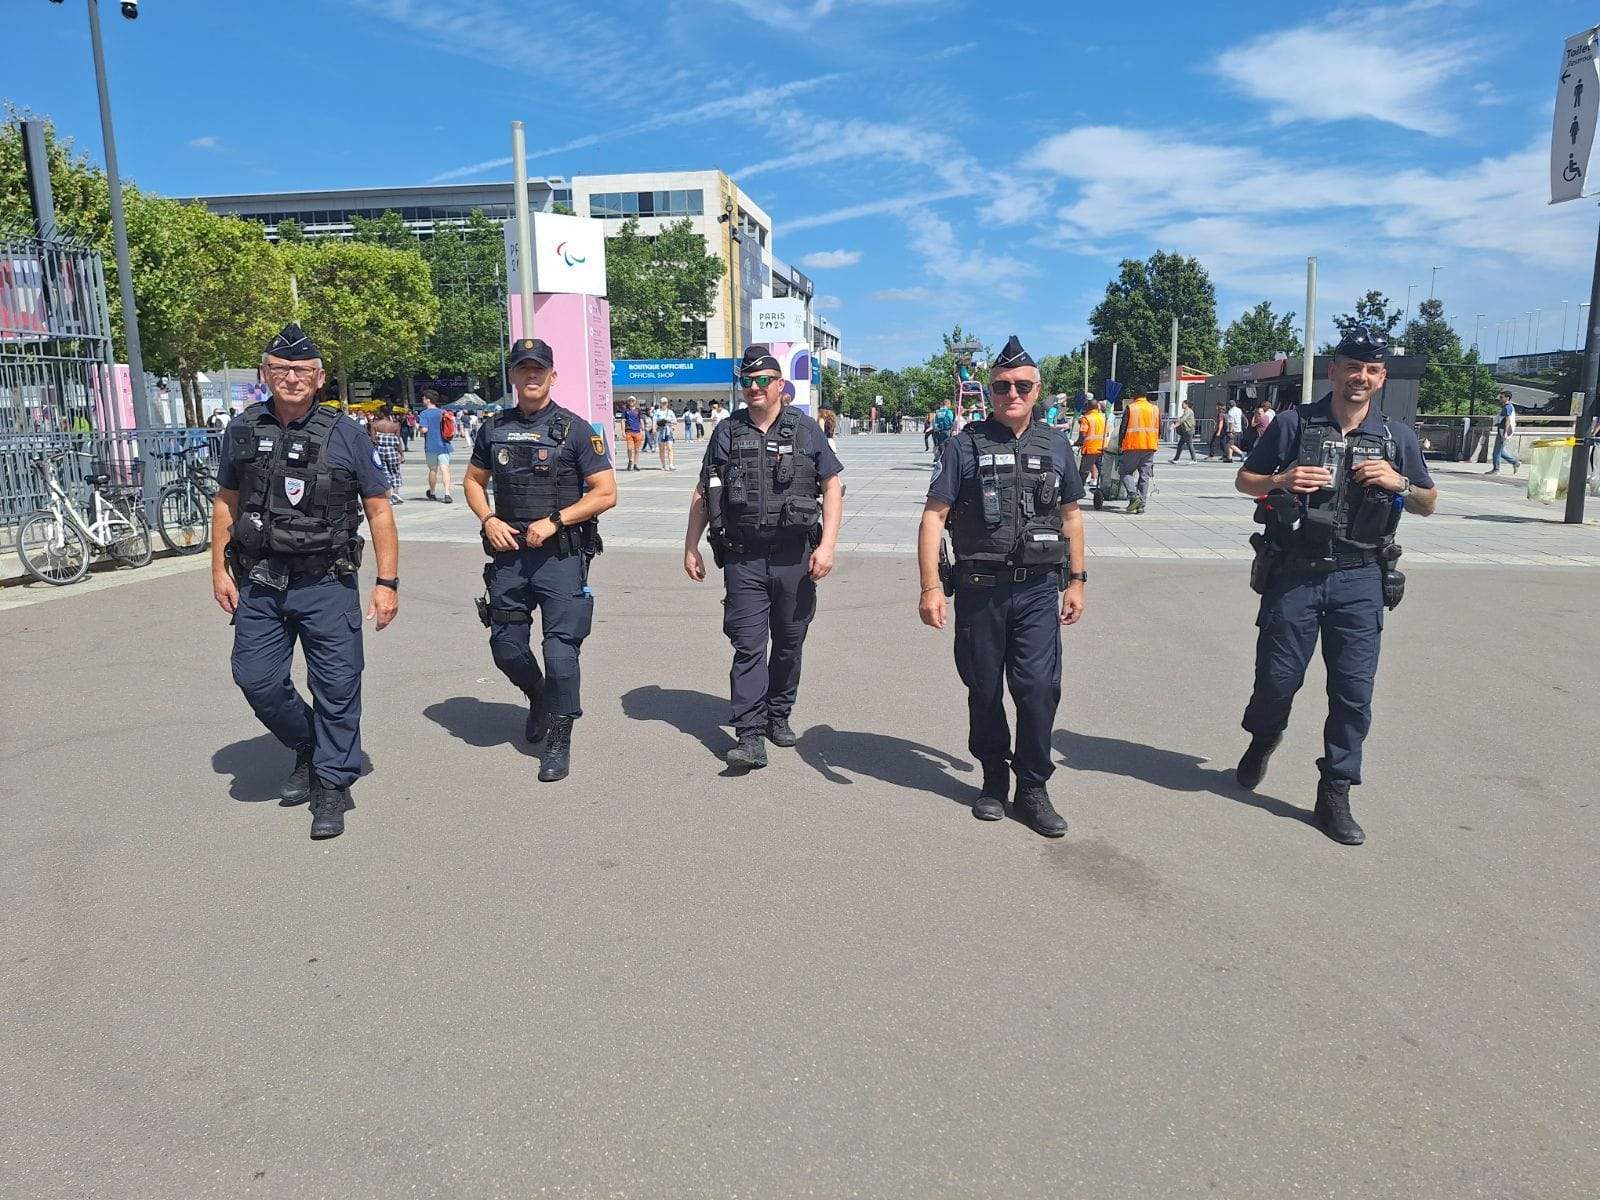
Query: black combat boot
point(750, 753)
point(1034, 810)
point(1333, 812)
point(1252, 768)
point(297, 788)
point(538, 720)
point(557, 758)
point(991, 802)
point(328, 807)
point(781, 733)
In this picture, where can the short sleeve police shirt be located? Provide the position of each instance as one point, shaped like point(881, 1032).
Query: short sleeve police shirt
point(583, 449)
point(808, 440)
point(1278, 446)
point(957, 466)
point(349, 448)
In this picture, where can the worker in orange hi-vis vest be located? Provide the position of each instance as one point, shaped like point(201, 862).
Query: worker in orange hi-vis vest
point(1091, 442)
point(1141, 434)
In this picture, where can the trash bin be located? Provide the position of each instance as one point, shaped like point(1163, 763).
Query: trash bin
point(1548, 468)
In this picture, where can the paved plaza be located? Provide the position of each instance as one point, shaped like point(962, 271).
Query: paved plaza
point(661, 979)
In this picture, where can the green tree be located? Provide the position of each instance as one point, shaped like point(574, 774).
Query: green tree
point(1137, 313)
point(467, 264)
point(211, 290)
point(830, 388)
point(661, 290)
point(1257, 334)
point(1062, 374)
point(290, 233)
point(370, 307)
point(1373, 311)
point(1450, 382)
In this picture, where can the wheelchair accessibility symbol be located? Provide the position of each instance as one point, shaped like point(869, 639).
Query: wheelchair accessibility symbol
point(1572, 171)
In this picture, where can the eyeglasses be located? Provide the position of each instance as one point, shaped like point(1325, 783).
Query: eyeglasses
point(757, 381)
point(279, 371)
point(1024, 387)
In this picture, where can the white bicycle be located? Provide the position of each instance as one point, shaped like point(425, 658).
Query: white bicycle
point(57, 543)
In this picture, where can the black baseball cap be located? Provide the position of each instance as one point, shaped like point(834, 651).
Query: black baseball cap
point(534, 350)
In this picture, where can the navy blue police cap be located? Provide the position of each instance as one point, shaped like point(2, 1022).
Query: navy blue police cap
point(758, 357)
point(1012, 356)
point(294, 344)
point(1363, 344)
point(534, 350)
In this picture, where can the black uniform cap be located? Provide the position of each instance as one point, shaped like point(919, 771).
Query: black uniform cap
point(1013, 356)
point(758, 358)
point(1363, 344)
point(294, 344)
point(534, 350)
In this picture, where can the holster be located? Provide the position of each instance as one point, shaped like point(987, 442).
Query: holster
point(719, 547)
point(1394, 581)
point(947, 569)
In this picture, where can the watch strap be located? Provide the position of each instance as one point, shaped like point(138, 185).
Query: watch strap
point(391, 584)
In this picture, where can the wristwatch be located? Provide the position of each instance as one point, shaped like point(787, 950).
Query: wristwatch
point(1078, 576)
point(392, 584)
point(555, 519)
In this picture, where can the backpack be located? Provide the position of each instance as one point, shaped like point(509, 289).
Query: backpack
point(447, 426)
point(944, 419)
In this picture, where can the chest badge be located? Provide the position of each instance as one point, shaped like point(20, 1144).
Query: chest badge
point(502, 456)
point(543, 454)
point(294, 490)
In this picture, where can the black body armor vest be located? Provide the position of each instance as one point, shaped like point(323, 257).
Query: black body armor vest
point(292, 500)
point(768, 484)
point(1347, 520)
point(1012, 515)
point(531, 477)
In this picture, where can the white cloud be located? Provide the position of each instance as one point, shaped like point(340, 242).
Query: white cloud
point(798, 16)
point(908, 295)
point(1392, 64)
point(711, 110)
point(822, 260)
point(209, 142)
point(827, 303)
point(873, 208)
point(816, 140)
point(948, 260)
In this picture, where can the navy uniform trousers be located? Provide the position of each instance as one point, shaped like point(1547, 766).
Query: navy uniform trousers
point(1346, 609)
point(325, 616)
point(552, 583)
point(769, 600)
point(1009, 634)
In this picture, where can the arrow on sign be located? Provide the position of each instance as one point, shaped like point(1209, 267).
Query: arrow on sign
point(1566, 75)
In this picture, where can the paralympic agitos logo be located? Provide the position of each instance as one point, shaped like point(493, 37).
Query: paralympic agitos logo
point(568, 257)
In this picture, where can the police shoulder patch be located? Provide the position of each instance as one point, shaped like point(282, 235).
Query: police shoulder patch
point(376, 461)
point(938, 467)
point(599, 444)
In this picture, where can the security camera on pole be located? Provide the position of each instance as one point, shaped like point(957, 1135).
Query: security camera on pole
point(1571, 140)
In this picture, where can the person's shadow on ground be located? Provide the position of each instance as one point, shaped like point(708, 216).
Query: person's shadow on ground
point(259, 765)
point(1166, 769)
point(702, 717)
point(482, 723)
point(904, 763)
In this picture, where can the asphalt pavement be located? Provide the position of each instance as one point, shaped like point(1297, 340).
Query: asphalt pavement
point(659, 979)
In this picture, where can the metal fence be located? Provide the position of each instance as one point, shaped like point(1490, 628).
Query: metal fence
point(120, 455)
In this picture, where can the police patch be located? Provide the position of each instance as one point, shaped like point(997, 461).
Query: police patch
point(937, 468)
point(599, 444)
point(543, 454)
point(376, 461)
point(502, 456)
point(294, 489)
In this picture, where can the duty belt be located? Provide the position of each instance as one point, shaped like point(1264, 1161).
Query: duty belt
point(1337, 562)
point(998, 573)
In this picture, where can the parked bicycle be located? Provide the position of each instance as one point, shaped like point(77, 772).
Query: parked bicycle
point(183, 514)
point(57, 543)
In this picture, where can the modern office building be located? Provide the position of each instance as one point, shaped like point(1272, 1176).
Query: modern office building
point(735, 228)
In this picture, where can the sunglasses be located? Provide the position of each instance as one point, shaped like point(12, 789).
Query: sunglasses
point(1360, 335)
point(1003, 387)
point(757, 381)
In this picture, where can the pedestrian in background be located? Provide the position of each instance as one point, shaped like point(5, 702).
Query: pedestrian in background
point(436, 424)
point(1504, 428)
point(666, 451)
point(1235, 430)
point(1185, 429)
point(386, 441)
point(1138, 441)
point(1219, 432)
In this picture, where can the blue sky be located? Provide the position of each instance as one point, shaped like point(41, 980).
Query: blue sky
point(927, 161)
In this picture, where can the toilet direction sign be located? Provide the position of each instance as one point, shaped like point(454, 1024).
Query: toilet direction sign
point(1577, 106)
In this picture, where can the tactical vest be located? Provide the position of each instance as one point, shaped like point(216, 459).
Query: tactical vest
point(1011, 513)
point(532, 479)
point(1347, 520)
point(769, 485)
point(292, 500)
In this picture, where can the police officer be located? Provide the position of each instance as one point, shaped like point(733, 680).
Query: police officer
point(552, 480)
point(294, 480)
point(770, 492)
point(1330, 479)
point(1009, 489)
